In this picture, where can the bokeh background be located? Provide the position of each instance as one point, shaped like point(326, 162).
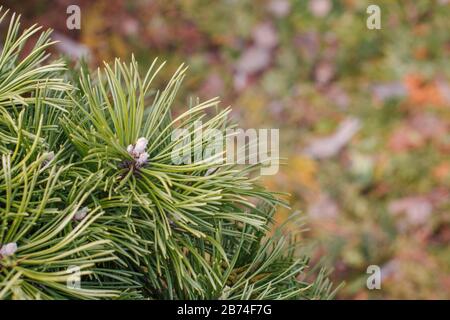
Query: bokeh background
point(364, 115)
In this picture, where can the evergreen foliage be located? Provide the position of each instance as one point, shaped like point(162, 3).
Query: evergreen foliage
point(73, 193)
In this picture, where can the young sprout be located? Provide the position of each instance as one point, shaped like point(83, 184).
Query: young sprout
point(142, 160)
point(8, 249)
point(141, 145)
point(140, 156)
point(49, 156)
point(139, 148)
point(81, 214)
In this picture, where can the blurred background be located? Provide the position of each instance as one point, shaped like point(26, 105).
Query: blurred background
point(364, 115)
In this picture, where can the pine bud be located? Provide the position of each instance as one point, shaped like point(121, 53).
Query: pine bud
point(49, 156)
point(81, 214)
point(140, 146)
point(8, 249)
point(142, 160)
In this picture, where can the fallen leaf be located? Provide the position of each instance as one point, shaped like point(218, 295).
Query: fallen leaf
point(385, 91)
point(389, 269)
point(416, 132)
point(279, 8)
point(70, 47)
point(253, 60)
point(422, 92)
point(323, 208)
point(322, 148)
point(404, 138)
point(130, 26)
point(442, 171)
point(444, 89)
point(338, 96)
point(416, 209)
point(320, 8)
point(429, 126)
point(213, 86)
point(265, 35)
point(324, 73)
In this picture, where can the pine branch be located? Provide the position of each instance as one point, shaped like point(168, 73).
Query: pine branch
point(87, 180)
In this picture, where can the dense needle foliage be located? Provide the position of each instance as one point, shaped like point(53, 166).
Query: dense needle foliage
point(71, 194)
